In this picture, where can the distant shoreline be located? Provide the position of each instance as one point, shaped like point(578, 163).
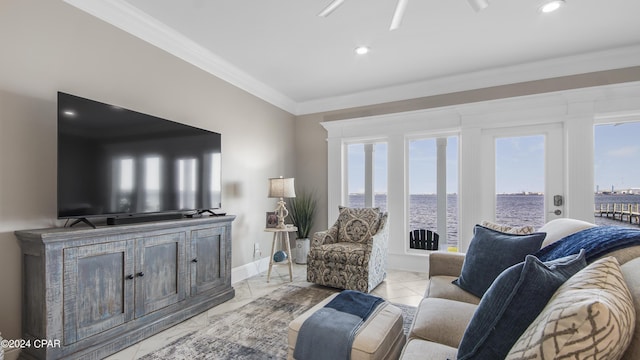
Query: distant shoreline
point(517, 209)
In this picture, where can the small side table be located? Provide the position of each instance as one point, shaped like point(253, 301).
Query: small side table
point(283, 235)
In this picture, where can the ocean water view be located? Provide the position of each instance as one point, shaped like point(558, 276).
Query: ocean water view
point(511, 209)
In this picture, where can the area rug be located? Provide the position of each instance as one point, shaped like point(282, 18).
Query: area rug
point(257, 330)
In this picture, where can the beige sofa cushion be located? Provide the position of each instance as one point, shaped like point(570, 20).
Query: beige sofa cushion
point(445, 263)
point(626, 254)
point(591, 316)
point(421, 349)
point(441, 287)
point(441, 321)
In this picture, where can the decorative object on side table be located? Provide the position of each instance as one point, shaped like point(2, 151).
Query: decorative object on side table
point(280, 256)
point(281, 188)
point(303, 209)
point(272, 220)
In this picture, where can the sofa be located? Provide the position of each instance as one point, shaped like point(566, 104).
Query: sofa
point(446, 314)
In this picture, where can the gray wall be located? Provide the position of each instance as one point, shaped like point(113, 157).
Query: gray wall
point(49, 46)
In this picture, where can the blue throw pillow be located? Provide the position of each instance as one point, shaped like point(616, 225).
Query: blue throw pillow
point(512, 302)
point(490, 253)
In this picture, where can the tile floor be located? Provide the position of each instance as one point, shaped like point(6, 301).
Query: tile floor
point(399, 287)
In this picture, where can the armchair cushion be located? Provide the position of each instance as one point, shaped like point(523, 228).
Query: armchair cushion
point(358, 224)
point(342, 252)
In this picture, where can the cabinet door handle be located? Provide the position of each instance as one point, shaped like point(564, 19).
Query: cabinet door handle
point(194, 260)
point(140, 274)
point(130, 277)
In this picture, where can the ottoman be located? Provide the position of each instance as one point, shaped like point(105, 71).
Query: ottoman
point(380, 337)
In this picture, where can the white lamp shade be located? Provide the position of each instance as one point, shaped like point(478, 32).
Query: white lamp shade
point(281, 188)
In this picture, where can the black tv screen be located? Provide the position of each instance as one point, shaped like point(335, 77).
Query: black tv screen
point(115, 162)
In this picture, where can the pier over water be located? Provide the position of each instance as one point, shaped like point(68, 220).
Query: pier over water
point(618, 211)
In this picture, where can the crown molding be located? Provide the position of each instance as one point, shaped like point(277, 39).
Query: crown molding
point(565, 66)
point(614, 103)
point(124, 16)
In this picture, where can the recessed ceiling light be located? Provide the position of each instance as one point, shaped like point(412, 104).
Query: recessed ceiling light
point(361, 50)
point(551, 6)
point(69, 113)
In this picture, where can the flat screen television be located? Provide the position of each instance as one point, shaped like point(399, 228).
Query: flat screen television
point(116, 163)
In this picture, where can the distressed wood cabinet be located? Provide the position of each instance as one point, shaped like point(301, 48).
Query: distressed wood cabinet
point(100, 290)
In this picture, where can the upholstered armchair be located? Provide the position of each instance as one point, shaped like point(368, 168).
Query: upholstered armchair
point(352, 254)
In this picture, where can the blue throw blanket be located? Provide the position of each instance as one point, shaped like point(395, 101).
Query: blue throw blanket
point(329, 332)
point(596, 241)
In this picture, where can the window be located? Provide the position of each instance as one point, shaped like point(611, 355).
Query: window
point(520, 180)
point(367, 175)
point(617, 179)
point(433, 185)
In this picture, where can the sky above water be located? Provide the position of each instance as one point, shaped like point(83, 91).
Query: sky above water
point(519, 162)
point(617, 156)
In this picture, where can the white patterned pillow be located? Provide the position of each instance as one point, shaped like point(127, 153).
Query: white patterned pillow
point(523, 230)
point(591, 316)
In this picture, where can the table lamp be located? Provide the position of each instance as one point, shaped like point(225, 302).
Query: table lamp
point(281, 188)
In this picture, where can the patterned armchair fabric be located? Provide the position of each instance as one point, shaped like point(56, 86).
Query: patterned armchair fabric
point(352, 254)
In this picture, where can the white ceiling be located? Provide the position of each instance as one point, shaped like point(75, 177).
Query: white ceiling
point(281, 51)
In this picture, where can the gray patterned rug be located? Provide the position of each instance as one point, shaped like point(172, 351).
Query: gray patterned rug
point(257, 330)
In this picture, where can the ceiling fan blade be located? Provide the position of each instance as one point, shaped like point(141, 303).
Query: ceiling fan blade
point(478, 5)
point(329, 9)
point(399, 14)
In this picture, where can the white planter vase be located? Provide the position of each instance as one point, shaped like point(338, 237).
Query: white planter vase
point(302, 250)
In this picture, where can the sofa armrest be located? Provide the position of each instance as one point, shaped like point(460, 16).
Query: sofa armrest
point(445, 263)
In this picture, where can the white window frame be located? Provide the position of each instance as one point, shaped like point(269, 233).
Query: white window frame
point(577, 110)
point(369, 169)
point(554, 177)
point(441, 210)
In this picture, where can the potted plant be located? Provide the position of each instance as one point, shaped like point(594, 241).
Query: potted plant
point(302, 209)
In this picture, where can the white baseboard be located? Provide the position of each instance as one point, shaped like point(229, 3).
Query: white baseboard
point(395, 261)
point(248, 270)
